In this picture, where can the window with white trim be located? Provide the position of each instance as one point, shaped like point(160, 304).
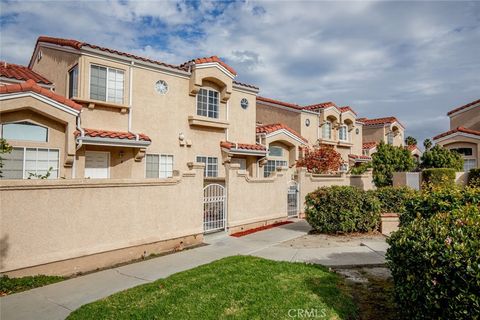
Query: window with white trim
point(272, 165)
point(469, 164)
point(207, 103)
point(390, 138)
point(73, 82)
point(106, 84)
point(159, 166)
point(30, 163)
point(211, 165)
point(327, 130)
point(25, 131)
point(343, 133)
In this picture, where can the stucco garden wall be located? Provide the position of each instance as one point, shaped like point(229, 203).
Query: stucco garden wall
point(45, 221)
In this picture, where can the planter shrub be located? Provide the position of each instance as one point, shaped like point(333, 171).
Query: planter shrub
point(435, 264)
point(474, 178)
point(393, 199)
point(342, 209)
point(439, 176)
point(431, 201)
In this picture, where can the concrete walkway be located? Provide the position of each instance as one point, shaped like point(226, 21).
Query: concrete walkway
point(56, 301)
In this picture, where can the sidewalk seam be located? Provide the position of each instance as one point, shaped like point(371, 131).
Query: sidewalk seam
point(134, 277)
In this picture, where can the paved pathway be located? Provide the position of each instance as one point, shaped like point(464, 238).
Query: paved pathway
point(56, 301)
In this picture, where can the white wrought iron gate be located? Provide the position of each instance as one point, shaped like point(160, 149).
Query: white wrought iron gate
point(214, 208)
point(292, 199)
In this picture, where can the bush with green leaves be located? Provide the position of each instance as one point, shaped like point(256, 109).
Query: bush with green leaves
point(393, 199)
point(435, 264)
point(361, 168)
point(4, 148)
point(342, 209)
point(387, 160)
point(435, 199)
point(439, 176)
point(440, 157)
point(474, 178)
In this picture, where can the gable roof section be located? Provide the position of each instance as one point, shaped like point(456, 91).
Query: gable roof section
point(379, 121)
point(346, 109)
point(31, 86)
point(18, 72)
point(321, 105)
point(369, 145)
point(463, 107)
point(270, 128)
point(212, 59)
point(456, 130)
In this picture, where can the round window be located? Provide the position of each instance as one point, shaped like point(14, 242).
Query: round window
point(307, 122)
point(357, 131)
point(161, 86)
point(244, 103)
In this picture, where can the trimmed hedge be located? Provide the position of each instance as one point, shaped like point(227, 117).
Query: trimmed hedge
point(431, 201)
point(474, 178)
point(439, 176)
point(435, 264)
point(342, 209)
point(393, 199)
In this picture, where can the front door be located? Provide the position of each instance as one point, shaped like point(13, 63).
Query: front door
point(96, 165)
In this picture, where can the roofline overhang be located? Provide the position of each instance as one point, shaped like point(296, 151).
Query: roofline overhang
point(455, 113)
point(239, 87)
point(455, 134)
point(245, 152)
point(113, 142)
point(286, 132)
point(216, 65)
point(13, 80)
point(275, 105)
point(58, 105)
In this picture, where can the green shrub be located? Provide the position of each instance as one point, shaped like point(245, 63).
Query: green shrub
point(393, 199)
point(439, 176)
point(342, 209)
point(440, 157)
point(361, 168)
point(431, 201)
point(474, 178)
point(387, 160)
point(435, 264)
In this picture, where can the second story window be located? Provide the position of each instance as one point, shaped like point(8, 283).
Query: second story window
point(327, 130)
point(343, 133)
point(73, 82)
point(275, 152)
point(106, 84)
point(390, 138)
point(25, 131)
point(207, 103)
point(211, 165)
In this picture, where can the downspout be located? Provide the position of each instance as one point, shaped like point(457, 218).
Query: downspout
point(82, 132)
point(130, 98)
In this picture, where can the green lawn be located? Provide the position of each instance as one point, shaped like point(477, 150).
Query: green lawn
point(14, 285)
point(239, 287)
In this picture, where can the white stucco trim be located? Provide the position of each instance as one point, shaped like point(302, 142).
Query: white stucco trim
point(287, 133)
point(113, 142)
point(42, 98)
point(215, 65)
point(456, 113)
point(457, 134)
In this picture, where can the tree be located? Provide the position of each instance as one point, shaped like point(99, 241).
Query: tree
point(387, 160)
point(410, 141)
point(4, 148)
point(427, 143)
point(322, 159)
point(440, 157)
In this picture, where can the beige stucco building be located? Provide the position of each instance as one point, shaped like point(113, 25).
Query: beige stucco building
point(464, 134)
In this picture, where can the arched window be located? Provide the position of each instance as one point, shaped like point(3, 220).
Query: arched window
point(25, 131)
point(327, 130)
point(343, 133)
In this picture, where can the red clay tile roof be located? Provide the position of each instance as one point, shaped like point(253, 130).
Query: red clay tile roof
point(30, 85)
point(369, 145)
point(357, 156)
point(321, 105)
point(112, 134)
point(385, 120)
point(463, 107)
point(411, 147)
point(18, 72)
point(269, 128)
point(78, 45)
point(245, 85)
point(285, 104)
point(244, 146)
point(347, 108)
point(211, 59)
point(459, 129)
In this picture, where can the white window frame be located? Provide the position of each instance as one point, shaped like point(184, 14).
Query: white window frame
point(275, 147)
point(206, 172)
point(390, 137)
point(22, 121)
point(208, 105)
point(346, 133)
point(108, 161)
point(474, 161)
point(329, 123)
point(159, 165)
point(277, 163)
point(24, 160)
point(75, 67)
point(106, 85)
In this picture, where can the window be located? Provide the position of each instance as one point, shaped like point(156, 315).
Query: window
point(469, 164)
point(26, 131)
point(106, 84)
point(343, 133)
point(73, 82)
point(464, 151)
point(344, 167)
point(23, 163)
point(207, 103)
point(390, 138)
point(211, 165)
point(159, 166)
point(327, 130)
point(275, 151)
point(272, 165)
point(244, 103)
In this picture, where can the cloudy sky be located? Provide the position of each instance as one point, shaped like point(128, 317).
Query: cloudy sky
point(413, 60)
